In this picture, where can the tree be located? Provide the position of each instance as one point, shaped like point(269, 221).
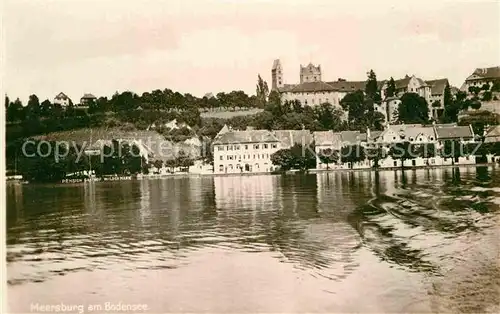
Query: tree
point(401, 151)
point(474, 90)
point(33, 107)
point(371, 88)
point(413, 109)
point(391, 88)
point(39, 163)
point(262, 92)
point(15, 111)
point(361, 113)
point(329, 117)
point(352, 154)
point(479, 119)
point(274, 104)
point(46, 108)
point(452, 149)
point(284, 159)
point(375, 154)
point(158, 163)
point(296, 157)
point(475, 104)
point(496, 86)
point(328, 156)
point(487, 96)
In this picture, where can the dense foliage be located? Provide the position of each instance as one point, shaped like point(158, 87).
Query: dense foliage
point(297, 157)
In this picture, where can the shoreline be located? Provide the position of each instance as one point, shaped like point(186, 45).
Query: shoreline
point(290, 172)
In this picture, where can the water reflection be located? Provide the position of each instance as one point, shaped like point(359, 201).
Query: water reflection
point(369, 231)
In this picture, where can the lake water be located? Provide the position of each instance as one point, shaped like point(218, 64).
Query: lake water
point(425, 241)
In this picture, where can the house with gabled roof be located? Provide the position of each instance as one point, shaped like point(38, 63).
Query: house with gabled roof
point(62, 99)
point(86, 99)
point(436, 97)
point(289, 138)
point(246, 151)
point(481, 76)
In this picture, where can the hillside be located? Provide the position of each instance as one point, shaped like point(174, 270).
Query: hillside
point(161, 148)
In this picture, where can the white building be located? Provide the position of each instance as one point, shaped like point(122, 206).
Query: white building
point(481, 76)
point(62, 99)
point(312, 89)
point(431, 90)
point(244, 151)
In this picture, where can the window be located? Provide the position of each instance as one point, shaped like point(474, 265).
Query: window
point(256, 146)
point(326, 100)
point(395, 163)
point(220, 148)
point(274, 145)
point(221, 157)
point(279, 82)
point(312, 101)
point(305, 102)
point(265, 145)
point(229, 147)
point(246, 146)
point(433, 161)
point(315, 78)
point(237, 147)
point(230, 167)
point(221, 168)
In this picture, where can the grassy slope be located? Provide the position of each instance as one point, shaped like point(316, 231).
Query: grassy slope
point(158, 144)
point(229, 114)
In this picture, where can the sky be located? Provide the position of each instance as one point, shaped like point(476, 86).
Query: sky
point(104, 46)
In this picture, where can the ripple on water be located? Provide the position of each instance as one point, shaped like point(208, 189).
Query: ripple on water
point(357, 244)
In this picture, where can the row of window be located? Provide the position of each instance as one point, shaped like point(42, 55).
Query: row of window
point(245, 157)
point(412, 139)
point(255, 146)
point(247, 167)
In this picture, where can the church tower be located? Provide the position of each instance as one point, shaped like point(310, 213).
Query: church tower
point(277, 75)
point(310, 73)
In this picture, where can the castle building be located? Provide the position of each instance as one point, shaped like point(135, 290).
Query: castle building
point(311, 89)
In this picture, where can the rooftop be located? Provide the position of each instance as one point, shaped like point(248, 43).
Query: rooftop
point(288, 138)
point(312, 87)
point(252, 136)
point(438, 86)
point(327, 138)
point(453, 132)
point(479, 73)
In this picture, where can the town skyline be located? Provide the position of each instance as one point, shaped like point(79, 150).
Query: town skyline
point(223, 47)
